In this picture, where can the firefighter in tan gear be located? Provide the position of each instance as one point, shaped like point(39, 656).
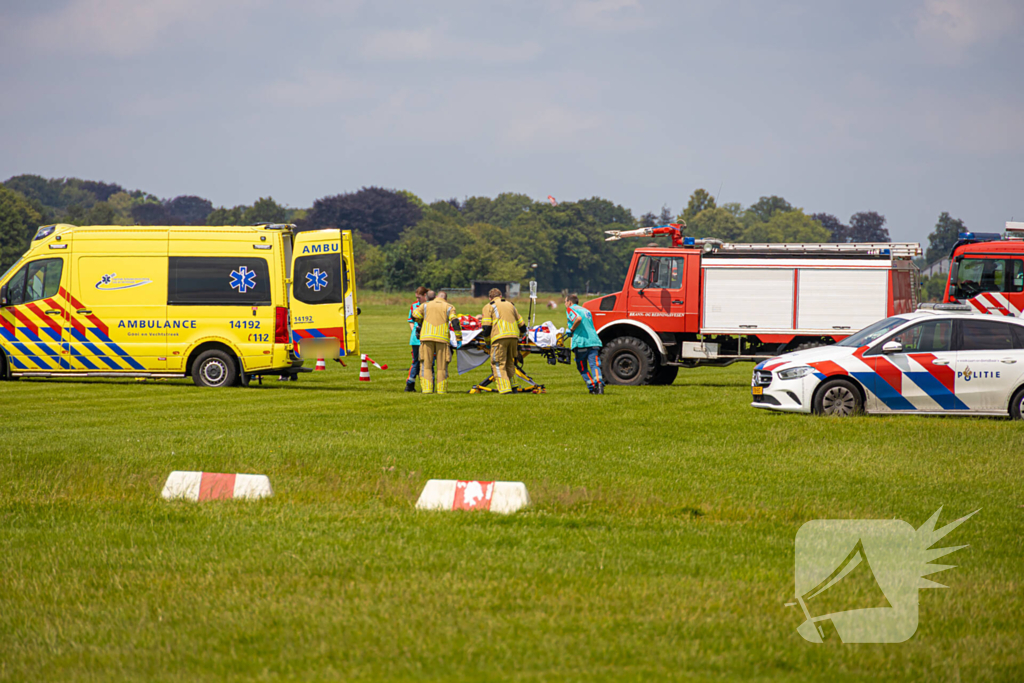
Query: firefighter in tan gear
point(435, 317)
point(503, 325)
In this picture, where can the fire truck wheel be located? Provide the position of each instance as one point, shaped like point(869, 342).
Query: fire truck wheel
point(1017, 405)
point(628, 360)
point(665, 374)
point(838, 397)
point(214, 368)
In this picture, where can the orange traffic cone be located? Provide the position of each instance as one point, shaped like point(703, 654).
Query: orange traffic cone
point(320, 365)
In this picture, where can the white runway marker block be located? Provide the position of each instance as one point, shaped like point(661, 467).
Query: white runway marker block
point(503, 497)
point(198, 486)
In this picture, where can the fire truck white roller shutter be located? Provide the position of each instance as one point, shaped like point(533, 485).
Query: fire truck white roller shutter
point(748, 299)
point(841, 298)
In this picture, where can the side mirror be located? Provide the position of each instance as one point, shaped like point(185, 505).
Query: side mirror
point(3, 295)
point(892, 347)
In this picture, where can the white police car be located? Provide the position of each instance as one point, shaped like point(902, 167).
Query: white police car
point(932, 361)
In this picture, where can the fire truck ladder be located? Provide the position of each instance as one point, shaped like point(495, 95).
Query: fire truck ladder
point(893, 249)
point(901, 250)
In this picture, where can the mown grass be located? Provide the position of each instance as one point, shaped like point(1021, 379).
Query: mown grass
point(659, 545)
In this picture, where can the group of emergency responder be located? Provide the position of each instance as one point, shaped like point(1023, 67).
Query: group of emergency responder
point(433, 321)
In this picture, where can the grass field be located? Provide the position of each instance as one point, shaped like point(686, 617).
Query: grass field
point(659, 545)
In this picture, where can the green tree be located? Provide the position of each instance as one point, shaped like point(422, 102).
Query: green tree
point(700, 200)
point(766, 207)
point(934, 288)
point(789, 226)
point(943, 237)
point(503, 210)
point(264, 210)
point(18, 223)
point(608, 213)
point(223, 216)
point(718, 223)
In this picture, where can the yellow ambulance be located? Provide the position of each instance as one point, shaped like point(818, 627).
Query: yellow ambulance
point(219, 304)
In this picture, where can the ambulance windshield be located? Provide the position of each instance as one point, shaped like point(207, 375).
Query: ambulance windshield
point(873, 332)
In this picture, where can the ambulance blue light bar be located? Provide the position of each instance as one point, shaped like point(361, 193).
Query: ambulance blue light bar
point(44, 232)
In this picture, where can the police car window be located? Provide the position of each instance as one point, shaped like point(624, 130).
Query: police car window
point(319, 279)
point(984, 335)
point(218, 281)
point(929, 337)
point(1018, 336)
point(872, 332)
point(37, 280)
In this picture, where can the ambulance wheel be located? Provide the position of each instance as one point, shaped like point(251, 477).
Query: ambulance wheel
point(837, 397)
point(214, 368)
point(1017, 405)
point(665, 375)
point(629, 361)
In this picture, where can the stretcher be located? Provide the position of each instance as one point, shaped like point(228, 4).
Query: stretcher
point(553, 347)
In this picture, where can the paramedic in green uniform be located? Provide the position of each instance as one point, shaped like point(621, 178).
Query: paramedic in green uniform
point(586, 345)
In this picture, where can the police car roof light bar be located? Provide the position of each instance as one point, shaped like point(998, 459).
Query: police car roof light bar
point(964, 308)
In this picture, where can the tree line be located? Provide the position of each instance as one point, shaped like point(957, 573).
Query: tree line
point(402, 241)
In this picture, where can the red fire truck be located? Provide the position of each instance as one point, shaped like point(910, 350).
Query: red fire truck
point(986, 270)
point(705, 302)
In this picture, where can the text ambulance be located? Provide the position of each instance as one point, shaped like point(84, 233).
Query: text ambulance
point(219, 304)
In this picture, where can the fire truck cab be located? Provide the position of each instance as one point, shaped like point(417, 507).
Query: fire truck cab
point(987, 271)
point(704, 302)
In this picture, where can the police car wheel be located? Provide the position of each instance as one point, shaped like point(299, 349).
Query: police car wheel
point(1017, 405)
point(214, 368)
point(838, 397)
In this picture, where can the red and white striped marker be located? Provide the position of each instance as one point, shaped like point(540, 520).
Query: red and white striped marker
point(364, 369)
point(503, 497)
point(198, 486)
point(378, 365)
point(320, 365)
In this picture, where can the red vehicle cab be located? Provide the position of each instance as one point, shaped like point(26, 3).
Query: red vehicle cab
point(987, 271)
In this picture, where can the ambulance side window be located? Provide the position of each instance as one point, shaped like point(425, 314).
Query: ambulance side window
point(35, 281)
point(218, 281)
point(319, 279)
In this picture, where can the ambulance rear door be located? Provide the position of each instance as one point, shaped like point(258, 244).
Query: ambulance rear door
point(317, 302)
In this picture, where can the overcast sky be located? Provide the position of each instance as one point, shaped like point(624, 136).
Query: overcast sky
point(906, 107)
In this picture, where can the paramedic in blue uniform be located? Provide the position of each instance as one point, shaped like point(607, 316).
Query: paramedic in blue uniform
point(414, 342)
point(586, 345)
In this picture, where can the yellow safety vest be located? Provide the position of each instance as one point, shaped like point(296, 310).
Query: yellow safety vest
point(503, 319)
point(435, 316)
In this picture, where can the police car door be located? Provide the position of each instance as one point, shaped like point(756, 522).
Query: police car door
point(317, 302)
point(989, 362)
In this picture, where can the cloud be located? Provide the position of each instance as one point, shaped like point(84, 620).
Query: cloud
point(607, 14)
point(315, 88)
point(121, 28)
point(949, 28)
point(434, 43)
